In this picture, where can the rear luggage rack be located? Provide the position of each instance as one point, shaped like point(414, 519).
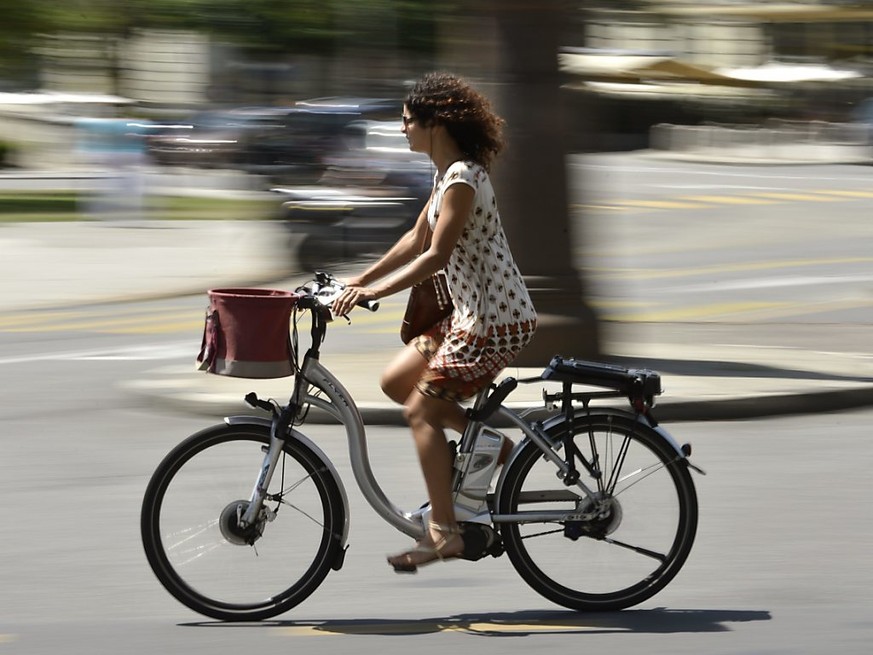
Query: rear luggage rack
point(632, 382)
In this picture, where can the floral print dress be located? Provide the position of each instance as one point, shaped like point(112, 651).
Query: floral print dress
point(493, 317)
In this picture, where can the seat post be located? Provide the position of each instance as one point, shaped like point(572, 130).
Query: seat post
point(482, 397)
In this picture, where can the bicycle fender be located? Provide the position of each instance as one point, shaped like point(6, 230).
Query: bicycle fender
point(316, 451)
point(636, 418)
point(670, 440)
point(552, 422)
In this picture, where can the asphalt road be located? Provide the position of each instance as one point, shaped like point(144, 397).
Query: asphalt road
point(781, 564)
point(675, 242)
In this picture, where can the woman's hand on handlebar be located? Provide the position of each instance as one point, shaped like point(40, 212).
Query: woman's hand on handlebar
point(352, 295)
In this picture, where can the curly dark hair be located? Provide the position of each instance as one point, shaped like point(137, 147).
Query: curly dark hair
point(445, 99)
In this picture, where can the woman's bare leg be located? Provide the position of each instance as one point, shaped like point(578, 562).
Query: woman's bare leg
point(401, 374)
point(400, 377)
point(427, 418)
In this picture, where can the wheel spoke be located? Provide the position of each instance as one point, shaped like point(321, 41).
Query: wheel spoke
point(637, 549)
point(542, 534)
point(615, 542)
point(303, 513)
point(292, 487)
point(281, 498)
point(188, 534)
point(209, 564)
point(643, 473)
point(616, 463)
point(621, 546)
point(198, 552)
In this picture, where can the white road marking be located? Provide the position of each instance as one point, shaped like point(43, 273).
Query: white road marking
point(768, 283)
point(122, 354)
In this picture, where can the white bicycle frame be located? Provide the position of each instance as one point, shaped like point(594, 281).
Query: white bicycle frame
point(339, 403)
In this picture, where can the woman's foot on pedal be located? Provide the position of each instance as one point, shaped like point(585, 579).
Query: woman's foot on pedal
point(441, 543)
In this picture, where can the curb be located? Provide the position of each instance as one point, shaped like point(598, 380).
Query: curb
point(725, 160)
point(149, 296)
point(666, 409)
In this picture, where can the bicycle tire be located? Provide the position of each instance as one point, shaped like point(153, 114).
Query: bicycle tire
point(189, 504)
point(592, 572)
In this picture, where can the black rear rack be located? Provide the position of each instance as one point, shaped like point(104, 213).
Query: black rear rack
point(631, 382)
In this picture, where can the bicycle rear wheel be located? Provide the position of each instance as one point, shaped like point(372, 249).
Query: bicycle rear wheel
point(193, 541)
point(643, 534)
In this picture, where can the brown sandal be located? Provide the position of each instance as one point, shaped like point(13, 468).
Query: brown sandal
point(432, 552)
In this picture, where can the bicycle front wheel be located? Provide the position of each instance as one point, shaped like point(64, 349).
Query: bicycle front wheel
point(618, 550)
point(198, 550)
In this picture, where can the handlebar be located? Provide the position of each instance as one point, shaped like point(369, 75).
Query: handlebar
point(323, 290)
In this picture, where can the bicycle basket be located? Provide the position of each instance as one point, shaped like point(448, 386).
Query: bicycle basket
point(247, 333)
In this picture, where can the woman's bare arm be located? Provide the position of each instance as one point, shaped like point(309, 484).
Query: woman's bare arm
point(457, 202)
point(404, 250)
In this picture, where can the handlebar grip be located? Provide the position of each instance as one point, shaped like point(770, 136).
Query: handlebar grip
point(371, 305)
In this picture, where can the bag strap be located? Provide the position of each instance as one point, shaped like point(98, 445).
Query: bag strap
point(424, 238)
point(440, 283)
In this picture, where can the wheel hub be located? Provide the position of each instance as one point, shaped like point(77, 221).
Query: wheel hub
point(605, 522)
point(231, 529)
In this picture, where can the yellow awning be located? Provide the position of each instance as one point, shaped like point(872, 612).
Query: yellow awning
point(640, 68)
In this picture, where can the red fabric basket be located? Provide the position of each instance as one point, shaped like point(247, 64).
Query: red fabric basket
point(247, 333)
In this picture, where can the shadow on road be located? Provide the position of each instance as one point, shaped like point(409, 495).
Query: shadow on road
point(518, 624)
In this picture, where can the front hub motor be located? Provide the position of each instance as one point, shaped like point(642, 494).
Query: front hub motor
point(229, 523)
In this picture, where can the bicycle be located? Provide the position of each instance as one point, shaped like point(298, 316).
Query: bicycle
point(243, 520)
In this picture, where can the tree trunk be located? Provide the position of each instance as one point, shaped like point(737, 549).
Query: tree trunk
point(531, 177)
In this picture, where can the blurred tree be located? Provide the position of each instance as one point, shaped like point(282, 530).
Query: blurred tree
point(269, 26)
point(326, 26)
point(274, 25)
point(19, 25)
point(532, 175)
point(110, 22)
point(118, 17)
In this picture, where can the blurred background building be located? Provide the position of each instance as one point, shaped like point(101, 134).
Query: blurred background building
point(628, 64)
point(283, 94)
point(717, 61)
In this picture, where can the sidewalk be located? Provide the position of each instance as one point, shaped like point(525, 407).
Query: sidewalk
point(47, 265)
point(717, 385)
point(709, 372)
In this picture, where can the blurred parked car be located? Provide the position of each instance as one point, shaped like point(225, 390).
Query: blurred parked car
point(289, 143)
point(369, 195)
point(212, 138)
point(311, 134)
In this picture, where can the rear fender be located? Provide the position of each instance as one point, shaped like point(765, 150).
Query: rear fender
point(549, 424)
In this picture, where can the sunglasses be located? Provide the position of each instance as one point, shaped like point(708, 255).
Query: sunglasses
point(407, 119)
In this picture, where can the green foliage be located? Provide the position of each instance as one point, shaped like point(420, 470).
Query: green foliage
point(270, 25)
point(52, 206)
point(417, 25)
point(19, 24)
point(267, 26)
point(323, 26)
point(119, 16)
point(274, 25)
point(6, 152)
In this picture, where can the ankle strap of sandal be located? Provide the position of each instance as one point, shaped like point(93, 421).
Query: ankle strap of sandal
point(445, 528)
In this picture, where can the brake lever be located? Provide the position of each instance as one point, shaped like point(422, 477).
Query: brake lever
point(329, 289)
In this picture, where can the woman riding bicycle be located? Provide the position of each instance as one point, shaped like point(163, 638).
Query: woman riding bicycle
point(493, 316)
